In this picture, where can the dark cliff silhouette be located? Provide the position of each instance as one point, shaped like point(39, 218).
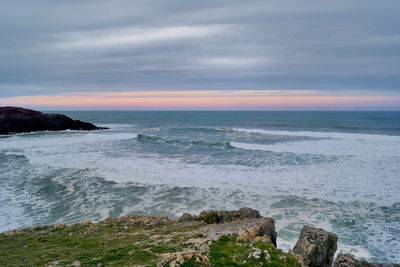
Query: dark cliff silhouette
point(21, 120)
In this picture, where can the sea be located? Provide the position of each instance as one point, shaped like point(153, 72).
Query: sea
point(336, 170)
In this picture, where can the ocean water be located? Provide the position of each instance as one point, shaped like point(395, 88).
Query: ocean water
point(335, 170)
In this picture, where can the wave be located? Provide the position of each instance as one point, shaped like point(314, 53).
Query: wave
point(155, 139)
point(63, 139)
point(248, 146)
point(115, 125)
point(335, 135)
point(198, 129)
point(143, 137)
point(330, 147)
point(112, 137)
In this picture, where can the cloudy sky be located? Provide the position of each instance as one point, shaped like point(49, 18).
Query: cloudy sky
point(274, 54)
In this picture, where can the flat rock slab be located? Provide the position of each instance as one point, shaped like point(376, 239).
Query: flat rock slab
point(247, 230)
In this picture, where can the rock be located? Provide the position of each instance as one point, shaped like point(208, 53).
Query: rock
point(58, 226)
point(187, 217)
point(267, 255)
point(246, 213)
point(200, 244)
point(264, 239)
point(54, 263)
point(252, 233)
point(15, 232)
point(316, 247)
point(177, 259)
point(246, 230)
point(129, 221)
point(255, 253)
point(20, 120)
point(74, 264)
point(348, 260)
point(223, 216)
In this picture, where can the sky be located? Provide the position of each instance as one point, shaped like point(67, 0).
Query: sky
point(200, 55)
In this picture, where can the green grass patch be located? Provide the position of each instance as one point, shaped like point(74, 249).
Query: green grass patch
point(69, 244)
point(227, 251)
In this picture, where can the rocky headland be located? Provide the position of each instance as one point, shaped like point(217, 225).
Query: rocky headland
point(21, 120)
point(214, 238)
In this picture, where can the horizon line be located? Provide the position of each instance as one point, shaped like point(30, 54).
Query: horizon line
point(223, 110)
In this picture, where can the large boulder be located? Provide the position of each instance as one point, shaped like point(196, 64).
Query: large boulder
point(348, 260)
point(222, 216)
point(20, 120)
point(247, 230)
point(316, 247)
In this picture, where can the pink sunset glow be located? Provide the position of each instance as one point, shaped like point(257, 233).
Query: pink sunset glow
point(204, 100)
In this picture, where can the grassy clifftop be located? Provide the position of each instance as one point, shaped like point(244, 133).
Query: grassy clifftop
point(145, 241)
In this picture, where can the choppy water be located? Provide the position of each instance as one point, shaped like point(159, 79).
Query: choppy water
point(335, 170)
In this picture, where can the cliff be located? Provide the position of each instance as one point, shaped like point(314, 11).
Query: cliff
point(20, 120)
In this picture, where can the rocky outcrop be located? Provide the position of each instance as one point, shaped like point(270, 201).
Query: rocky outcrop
point(20, 120)
point(119, 224)
point(348, 260)
point(240, 238)
point(222, 216)
point(136, 220)
point(178, 259)
point(247, 230)
point(316, 247)
point(246, 223)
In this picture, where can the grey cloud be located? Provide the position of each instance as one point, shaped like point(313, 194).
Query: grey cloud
point(50, 47)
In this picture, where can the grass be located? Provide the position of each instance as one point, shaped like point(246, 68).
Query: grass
point(70, 244)
point(227, 251)
point(116, 245)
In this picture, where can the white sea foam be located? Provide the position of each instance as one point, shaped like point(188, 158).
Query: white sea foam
point(61, 139)
point(312, 180)
point(332, 143)
point(358, 160)
point(114, 126)
point(360, 147)
point(338, 135)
